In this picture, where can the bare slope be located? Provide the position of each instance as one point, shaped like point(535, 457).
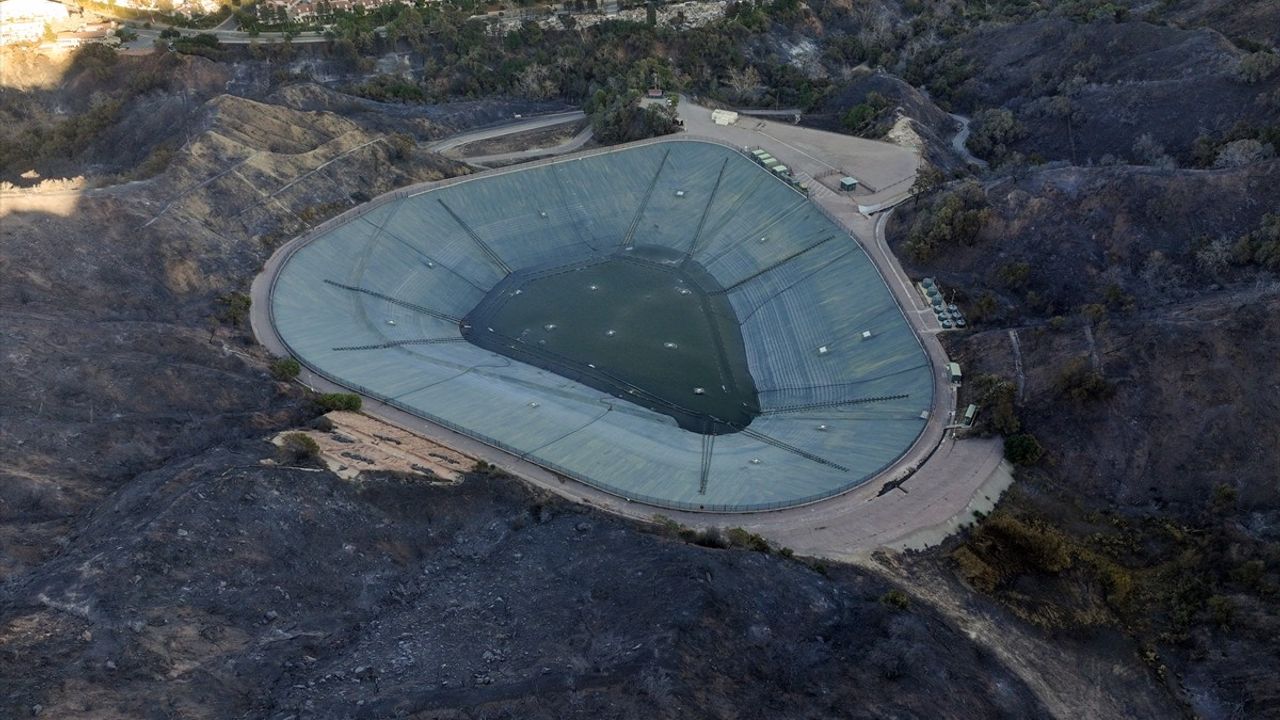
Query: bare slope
point(130, 349)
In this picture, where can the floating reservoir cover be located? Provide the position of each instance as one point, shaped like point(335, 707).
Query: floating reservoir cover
point(680, 331)
point(581, 316)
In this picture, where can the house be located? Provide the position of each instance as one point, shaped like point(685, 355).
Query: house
point(25, 20)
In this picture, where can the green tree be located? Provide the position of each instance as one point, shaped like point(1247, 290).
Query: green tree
point(298, 448)
point(235, 308)
point(1023, 449)
point(992, 131)
point(955, 219)
point(861, 119)
point(928, 179)
point(1258, 66)
point(347, 402)
point(285, 368)
point(896, 599)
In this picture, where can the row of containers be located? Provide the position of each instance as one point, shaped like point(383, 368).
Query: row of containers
point(782, 172)
point(949, 316)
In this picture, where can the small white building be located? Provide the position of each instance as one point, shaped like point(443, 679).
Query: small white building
point(724, 117)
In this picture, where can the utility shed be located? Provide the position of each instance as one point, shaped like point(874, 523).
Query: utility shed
point(848, 184)
point(954, 370)
point(724, 117)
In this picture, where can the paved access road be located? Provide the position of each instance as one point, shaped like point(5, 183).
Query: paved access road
point(574, 143)
point(148, 36)
point(534, 122)
point(960, 138)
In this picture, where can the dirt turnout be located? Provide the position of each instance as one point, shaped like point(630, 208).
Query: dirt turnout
point(357, 443)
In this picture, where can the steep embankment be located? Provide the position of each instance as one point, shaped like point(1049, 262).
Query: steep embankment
point(124, 310)
point(1084, 92)
point(225, 589)
point(1122, 322)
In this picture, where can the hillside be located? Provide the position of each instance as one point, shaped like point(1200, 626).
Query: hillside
point(1118, 262)
point(1119, 324)
point(1088, 93)
point(127, 310)
point(218, 588)
point(152, 561)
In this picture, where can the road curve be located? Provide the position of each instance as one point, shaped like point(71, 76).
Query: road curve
point(506, 128)
point(574, 143)
point(959, 140)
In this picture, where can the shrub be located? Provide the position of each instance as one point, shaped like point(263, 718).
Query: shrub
point(1117, 580)
point(1081, 383)
point(348, 402)
point(1149, 151)
point(1033, 545)
point(1115, 297)
point(1221, 610)
point(744, 539)
point(1239, 153)
point(1023, 449)
point(928, 179)
point(669, 527)
point(1258, 66)
point(1095, 312)
point(390, 88)
point(974, 570)
point(94, 58)
point(997, 396)
point(710, 537)
point(618, 117)
point(401, 145)
point(203, 44)
point(298, 448)
point(992, 132)
point(984, 308)
point(1224, 497)
point(1262, 246)
point(1014, 274)
point(285, 368)
point(956, 218)
point(1249, 573)
point(861, 119)
point(235, 308)
point(895, 599)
